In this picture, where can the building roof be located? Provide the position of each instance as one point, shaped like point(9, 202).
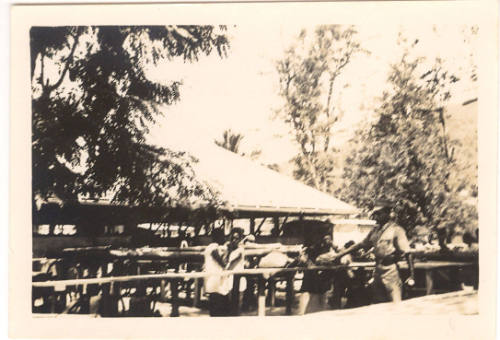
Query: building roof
point(251, 189)
point(247, 188)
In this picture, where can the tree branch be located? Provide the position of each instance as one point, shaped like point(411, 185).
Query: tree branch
point(327, 111)
point(42, 67)
point(69, 59)
point(312, 168)
point(445, 144)
point(333, 76)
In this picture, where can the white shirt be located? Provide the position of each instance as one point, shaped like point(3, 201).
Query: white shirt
point(218, 283)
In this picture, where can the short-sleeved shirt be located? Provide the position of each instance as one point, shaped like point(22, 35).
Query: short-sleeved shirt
point(387, 240)
point(218, 282)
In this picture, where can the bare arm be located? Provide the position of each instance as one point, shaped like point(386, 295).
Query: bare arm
point(409, 259)
point(350, 250)
point(403, 246)
point(234, 262)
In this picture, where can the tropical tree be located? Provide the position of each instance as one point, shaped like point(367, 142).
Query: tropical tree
point(308, 74)
point(92, 103)
point(405, 155)
point(230, 141)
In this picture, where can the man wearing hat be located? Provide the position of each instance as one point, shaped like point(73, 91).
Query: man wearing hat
point(389, 243)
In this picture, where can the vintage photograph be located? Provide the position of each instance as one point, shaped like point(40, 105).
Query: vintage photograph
point(238, 170)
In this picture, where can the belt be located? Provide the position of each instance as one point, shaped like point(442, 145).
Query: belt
point(386, 261)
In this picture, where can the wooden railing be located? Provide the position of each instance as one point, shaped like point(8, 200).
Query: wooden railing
point(263, 274)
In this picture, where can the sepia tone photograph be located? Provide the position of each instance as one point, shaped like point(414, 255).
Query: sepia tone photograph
point(295, 169)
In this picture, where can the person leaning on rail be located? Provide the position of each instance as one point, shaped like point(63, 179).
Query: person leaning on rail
point(389, 243)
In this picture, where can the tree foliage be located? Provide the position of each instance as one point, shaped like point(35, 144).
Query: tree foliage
point(405, 155)
point(92, 103)
point(308, 74)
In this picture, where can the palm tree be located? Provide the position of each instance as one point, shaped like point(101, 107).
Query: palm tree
point(230, 141)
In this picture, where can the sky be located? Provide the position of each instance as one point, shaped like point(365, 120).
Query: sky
point(241, 92)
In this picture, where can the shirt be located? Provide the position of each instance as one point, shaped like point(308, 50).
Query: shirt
point(387, 240)
point(218, 282)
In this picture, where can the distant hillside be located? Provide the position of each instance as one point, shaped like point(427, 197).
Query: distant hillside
point(462, 128)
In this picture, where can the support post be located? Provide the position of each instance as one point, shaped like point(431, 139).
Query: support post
point(284, 221)
point(162, 290)
point(197, 292)
point(290, 292)
point(175, 298)
point(262, 296)
point(260, 225)
point(235, 296)
point(271, 292)
point(52, 302)
point(276, 229)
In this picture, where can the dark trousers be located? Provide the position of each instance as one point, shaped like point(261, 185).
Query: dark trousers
point(249, 302)
point(341, 283)
point(219, 305)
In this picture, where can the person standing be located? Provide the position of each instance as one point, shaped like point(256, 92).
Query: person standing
point(315, 283)
point(389, 243)
point(342, 280)
point(219, 257)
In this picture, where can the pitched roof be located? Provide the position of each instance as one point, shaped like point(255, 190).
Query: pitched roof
point(248, 188)
point(251, 189)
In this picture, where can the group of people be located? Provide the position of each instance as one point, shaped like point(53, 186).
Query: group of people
point(388, 241)
point(444, 239)
point(389, 244)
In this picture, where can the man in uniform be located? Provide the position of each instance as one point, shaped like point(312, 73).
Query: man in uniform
point(389, 243)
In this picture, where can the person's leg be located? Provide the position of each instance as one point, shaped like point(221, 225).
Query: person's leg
point(249, 302)
point(393, 285)
point(226, 305)
point(339, 287)
point(212, 304)
point(303, 303)
point(358, 293)
point(395, 290)
point(218, 305)
point(323, 301)
point(379, 293)
point(314, 303)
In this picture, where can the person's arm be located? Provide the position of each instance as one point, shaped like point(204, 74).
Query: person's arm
point(403, 246)
point(411, 280)
point(365, 244)
point(216, 256)
point(350, 250)
point(234, 261)
point(301, 258)
point(326, 257)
